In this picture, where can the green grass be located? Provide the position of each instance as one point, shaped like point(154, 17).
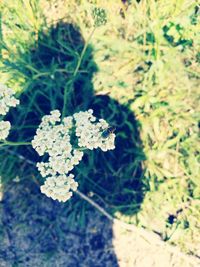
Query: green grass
point(140, 72)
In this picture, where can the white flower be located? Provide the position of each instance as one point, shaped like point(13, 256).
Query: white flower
point(54, 139)
point(58, 187)
point(7, 99)
point(4, 129)
point(89, 132)
point(50, 138)
point(62, 141)
point(68, 121)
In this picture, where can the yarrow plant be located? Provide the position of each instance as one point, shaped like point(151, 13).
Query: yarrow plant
point(7, 100)
point(99, 16)
point(64, 141)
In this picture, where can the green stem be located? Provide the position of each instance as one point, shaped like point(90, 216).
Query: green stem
point(83, 51)
point(76, 71)
point(10, 143)
point(80, 148)
point(67, 86)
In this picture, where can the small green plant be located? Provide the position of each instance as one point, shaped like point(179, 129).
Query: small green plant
point(63, 140)
point(99, 16)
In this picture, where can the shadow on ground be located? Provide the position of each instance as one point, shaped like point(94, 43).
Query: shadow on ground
point(35, 230)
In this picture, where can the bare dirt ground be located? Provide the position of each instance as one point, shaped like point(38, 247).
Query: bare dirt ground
point(34, 233)
point(133, 250)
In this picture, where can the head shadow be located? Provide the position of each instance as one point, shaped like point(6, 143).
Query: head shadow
point(114, 179)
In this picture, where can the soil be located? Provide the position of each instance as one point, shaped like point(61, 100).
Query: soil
point(34, 233)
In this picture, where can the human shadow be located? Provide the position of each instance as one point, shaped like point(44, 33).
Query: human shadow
point(49, 232)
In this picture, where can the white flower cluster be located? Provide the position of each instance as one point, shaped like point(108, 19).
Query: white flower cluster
point(54, 139)
point(7, 100)
point(62, 141)
point(4, 129)
point(59, 187)
point(89, 132)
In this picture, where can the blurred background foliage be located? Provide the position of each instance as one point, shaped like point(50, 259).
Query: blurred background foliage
point(147, 60)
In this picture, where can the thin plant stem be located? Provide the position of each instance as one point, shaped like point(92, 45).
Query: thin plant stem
point(83, 51)
point(68, 85)
point(76, 71)
point(10, 143)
